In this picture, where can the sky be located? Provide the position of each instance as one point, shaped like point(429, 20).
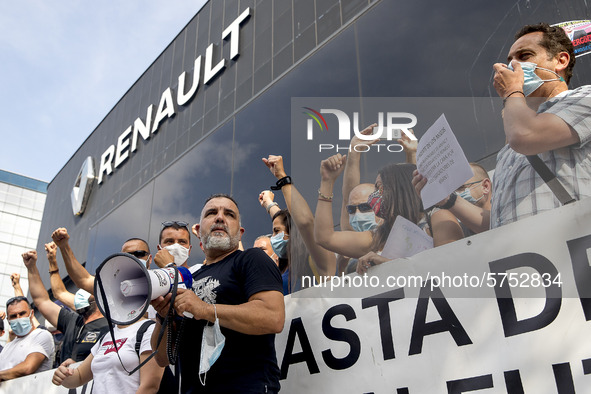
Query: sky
point(65, 64)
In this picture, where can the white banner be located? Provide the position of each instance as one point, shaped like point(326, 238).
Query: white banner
point(40, 383)
point(499, 312)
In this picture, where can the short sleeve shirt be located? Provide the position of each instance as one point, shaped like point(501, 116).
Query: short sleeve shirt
point(247, 363)
point(108, 374)
point(519, 192)
point(38, 341)
point(79, 338)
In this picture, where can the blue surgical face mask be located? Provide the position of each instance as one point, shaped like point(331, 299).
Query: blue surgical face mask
point(279, 245)
point(22, 326)
point(531, 80)
point(363, 221)
point(466, 195)
point(212, 344)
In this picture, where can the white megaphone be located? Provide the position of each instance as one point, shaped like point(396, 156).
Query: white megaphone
point(129, 286)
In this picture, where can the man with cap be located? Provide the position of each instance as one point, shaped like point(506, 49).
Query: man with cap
point(32, 349)
point(81, 329)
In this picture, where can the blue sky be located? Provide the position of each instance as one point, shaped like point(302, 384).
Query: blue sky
point(64, 65)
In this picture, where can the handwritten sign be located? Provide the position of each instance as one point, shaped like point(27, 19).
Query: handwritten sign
point(442, 161)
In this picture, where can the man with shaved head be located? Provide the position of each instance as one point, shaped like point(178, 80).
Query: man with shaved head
point(241, 293)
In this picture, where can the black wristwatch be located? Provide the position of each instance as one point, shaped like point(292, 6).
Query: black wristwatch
point(450, 202)
point(286, 180)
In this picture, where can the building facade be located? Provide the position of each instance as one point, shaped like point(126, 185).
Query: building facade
point(22, 200)
point(220, 97)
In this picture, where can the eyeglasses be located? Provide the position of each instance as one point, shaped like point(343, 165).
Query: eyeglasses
point(363, 207)
point(16, 299)
point(467, 185)
point(173, 222)
point(139, 253)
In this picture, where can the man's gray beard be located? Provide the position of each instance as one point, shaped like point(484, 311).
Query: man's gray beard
point(222, 243)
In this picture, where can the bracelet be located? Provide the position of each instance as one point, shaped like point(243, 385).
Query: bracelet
point(271, 205)
point(510, 94)
point(160, 318)
point(169, 265)
point(215, 313)
point(51, 272)
point(327, 198)
point(450, 203)
point(324, 199)
point(286, 180)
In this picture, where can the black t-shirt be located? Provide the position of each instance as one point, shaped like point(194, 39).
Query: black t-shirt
point(79, 338)
point(247, 363)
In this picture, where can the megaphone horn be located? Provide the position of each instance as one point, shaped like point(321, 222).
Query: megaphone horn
point(129, 286)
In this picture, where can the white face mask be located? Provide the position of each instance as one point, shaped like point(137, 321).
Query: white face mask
point(81, 299)
point(145, 262)
point(212, 343)
point(179, 252)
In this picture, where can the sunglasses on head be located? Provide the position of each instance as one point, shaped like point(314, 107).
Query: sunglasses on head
point(139, 253)
point(173, 222)
point(363, 207)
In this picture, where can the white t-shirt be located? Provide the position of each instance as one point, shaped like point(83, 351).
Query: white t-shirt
point(108, 374)
point(38, 341)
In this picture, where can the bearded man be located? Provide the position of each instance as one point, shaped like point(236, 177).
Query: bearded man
point(240, 292)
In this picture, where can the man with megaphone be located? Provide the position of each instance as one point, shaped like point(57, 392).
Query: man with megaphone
point(240, 292)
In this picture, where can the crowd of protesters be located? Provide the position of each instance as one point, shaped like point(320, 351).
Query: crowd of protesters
point(301, 241)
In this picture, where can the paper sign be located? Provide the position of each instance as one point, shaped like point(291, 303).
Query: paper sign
point(406, 239)
point(442, 161)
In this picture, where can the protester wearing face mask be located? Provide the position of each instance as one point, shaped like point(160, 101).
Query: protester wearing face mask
point(393, 196)
point(280, 242)
point(299, 254)
point(174, 245)
point(288, 245)
point(82, 328)
point(360, 217)
point(79, 275)
point(264, 242)
point(475, 192)
point(15, 278)
point(553, 123)
point(32, 349)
